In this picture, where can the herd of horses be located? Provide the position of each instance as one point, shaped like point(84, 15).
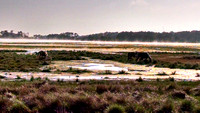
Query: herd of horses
point(139, 56)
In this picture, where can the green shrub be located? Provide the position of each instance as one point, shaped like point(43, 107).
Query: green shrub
point(115, 109)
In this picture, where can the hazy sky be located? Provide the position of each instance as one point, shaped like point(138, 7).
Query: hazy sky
point(93, 16)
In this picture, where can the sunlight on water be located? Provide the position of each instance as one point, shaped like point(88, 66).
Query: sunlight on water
point(95, 66)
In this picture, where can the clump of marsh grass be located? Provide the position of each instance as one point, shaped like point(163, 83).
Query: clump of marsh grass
point(115, 108)
point(187, 106)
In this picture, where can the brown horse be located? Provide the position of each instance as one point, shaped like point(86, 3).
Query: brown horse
point(43, 56)
point(140, 56)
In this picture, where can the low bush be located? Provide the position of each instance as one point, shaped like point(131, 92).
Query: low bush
point(115, 109)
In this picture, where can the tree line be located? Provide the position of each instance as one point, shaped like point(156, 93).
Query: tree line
point(66, 35)
point(184, 36)
point(11, 34)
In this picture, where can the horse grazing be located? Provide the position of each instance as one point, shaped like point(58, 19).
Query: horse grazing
point(140, 56)
point(42, 55)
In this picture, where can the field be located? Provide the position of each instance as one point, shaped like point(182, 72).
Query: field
point(100, 96)
point(101, 73)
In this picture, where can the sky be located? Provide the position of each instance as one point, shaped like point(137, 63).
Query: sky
point(95, 16)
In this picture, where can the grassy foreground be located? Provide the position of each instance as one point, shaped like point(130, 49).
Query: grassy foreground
point(100, 96)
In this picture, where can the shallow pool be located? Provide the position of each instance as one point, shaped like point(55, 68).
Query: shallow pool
point(101, 67)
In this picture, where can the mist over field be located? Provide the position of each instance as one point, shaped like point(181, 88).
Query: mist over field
point(10, 40)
